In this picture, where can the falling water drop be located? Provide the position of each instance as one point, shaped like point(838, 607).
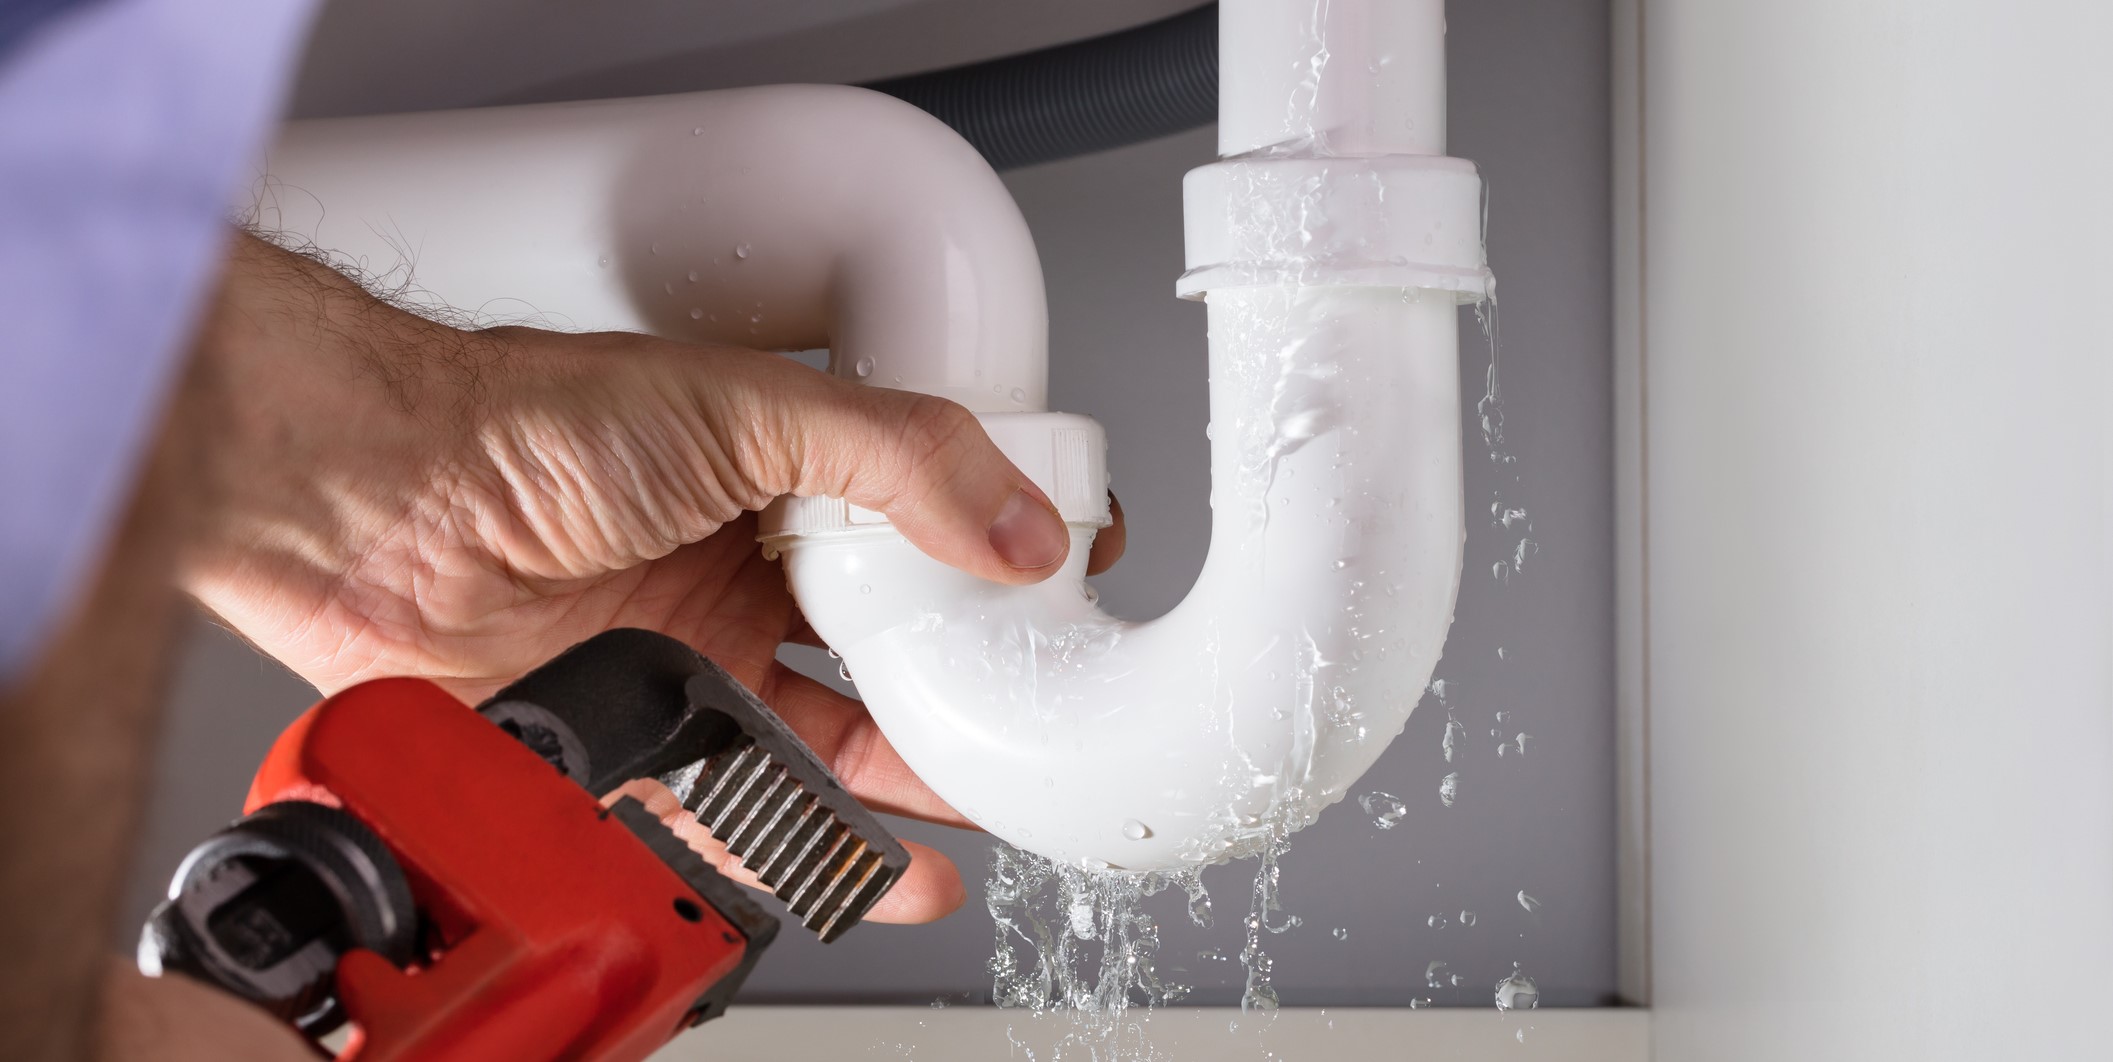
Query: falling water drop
point(693, 276)
point(1386, 809)
point(1435, 921)
point(1433, 975)
point(1339, 933)
point(1419, 1003)
point(741, 250)
point(1455, 739)
point(699, 131)
point(1517, 992)
point(1532, 905)
point(1467, 918)
point(696, 314)
point(1449, 788)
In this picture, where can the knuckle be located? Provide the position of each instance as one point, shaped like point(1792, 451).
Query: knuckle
point(935, 435)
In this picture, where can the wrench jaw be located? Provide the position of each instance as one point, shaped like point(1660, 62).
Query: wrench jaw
point(828, 871)
point(629, 703)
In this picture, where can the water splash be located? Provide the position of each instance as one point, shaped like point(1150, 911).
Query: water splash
point(1386, 809)
point(1517, 992)
point(1093, 963)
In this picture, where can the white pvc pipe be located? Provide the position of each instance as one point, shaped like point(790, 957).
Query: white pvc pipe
point(791, 217)
point(1333, 257)
point(1333, 253)
point(1345, 78)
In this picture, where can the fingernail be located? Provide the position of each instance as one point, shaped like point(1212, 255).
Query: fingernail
point(1026, 534)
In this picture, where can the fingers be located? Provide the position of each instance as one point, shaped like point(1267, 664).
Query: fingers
point(923, 461)
point(1108, 544)
point(928, 890)
point(845, 738)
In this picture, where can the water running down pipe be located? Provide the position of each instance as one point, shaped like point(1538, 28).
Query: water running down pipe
point(1333, 244)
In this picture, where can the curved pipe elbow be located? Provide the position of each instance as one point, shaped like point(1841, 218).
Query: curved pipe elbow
point(1322, 607)
point(788, 217)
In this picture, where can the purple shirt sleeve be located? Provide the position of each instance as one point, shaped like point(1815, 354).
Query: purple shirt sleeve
point(127, 128)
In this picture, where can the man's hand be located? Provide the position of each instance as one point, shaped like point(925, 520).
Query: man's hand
point(391, 496)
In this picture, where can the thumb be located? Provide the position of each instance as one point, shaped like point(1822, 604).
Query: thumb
point(923, 461)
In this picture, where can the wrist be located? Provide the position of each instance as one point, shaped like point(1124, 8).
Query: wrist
point(325, 413)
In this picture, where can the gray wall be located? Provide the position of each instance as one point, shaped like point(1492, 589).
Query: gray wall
point(1529, 104)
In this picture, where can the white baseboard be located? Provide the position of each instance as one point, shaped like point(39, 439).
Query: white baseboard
point(1180, 1034)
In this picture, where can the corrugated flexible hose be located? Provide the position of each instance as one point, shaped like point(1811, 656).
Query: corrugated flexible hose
point(1073, 99)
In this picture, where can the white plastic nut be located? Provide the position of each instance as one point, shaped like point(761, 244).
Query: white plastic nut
point(1397, 221)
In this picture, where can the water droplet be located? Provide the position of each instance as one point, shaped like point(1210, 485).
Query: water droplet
point(693, 276)
point(1433, 976)
point(1467, 918)
point(1457, 980)
point(1500, 571)
point(1339, 565)
point(1532, 905)
point(1048, 782)
point(864, 368)
point(1501, 654)
point(696, 314)
point(655, 248)
point(1135, 830)
point(603, 261)
point(1449, 788)
point(1339, 933)
point(699, 131)
point(1019, 394)
point(1386, 809)
point(1435, 921)
point(1211, 955)
point(1082, 919)
point(1419, 1003)
point(1517, 992)
point(865, 588)
point(1455, 739)
point(843, 671)
point(741, 250)
point(668, 287)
